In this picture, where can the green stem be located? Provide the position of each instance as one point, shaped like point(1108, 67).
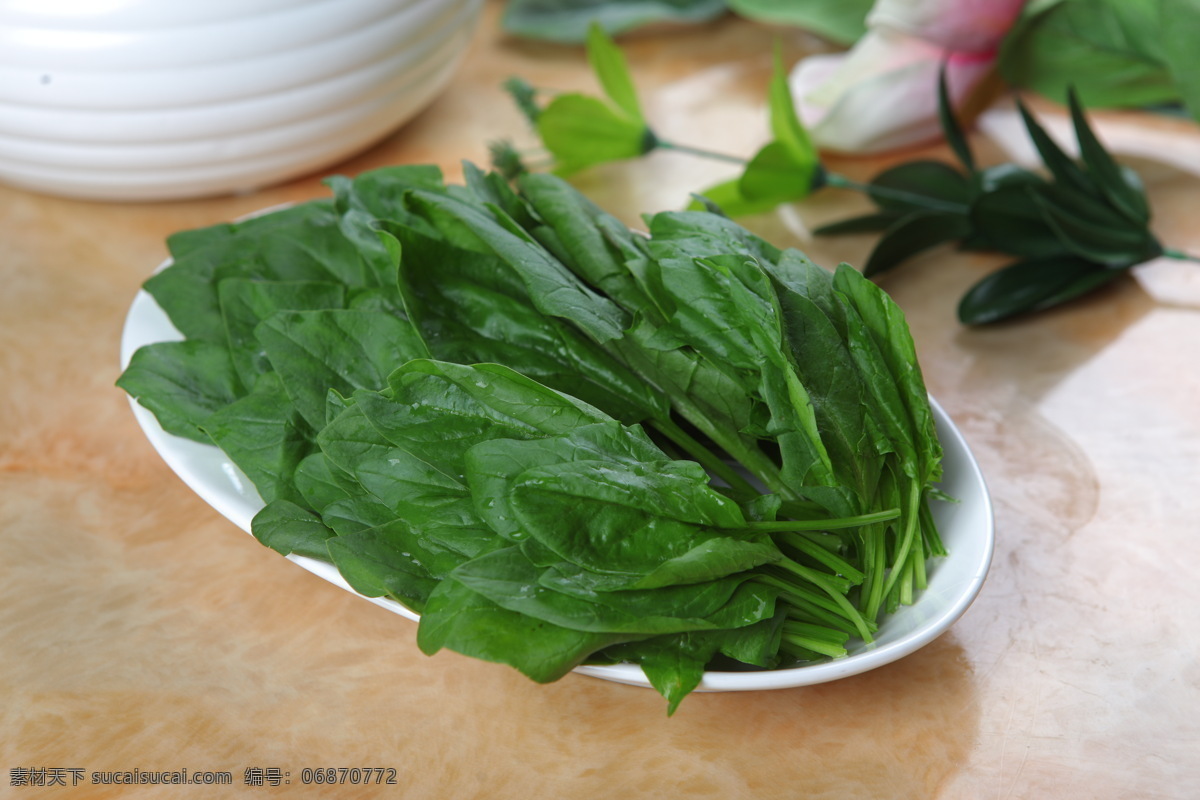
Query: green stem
point(804, 602)
point(1179, 255)
point(697, 151)
point(874, 563)
point(835, 523)
point(828, 584)
point(814, 638)
point(815, 551)
point(900, 563)
point(707, 458)
point(922, 200)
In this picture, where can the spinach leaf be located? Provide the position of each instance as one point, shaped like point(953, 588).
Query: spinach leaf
point(182, 383)
point(465, 621)
point(245, 302)
point(338, 349)
point(264, 436)
point(288, 528)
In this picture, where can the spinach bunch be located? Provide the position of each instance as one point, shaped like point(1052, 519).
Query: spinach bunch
point(558, 440)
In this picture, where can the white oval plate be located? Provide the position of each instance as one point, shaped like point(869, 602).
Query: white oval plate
point(966, 528)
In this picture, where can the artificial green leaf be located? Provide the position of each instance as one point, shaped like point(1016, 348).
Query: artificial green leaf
point(1098, 47)
point(913, 234)
point(867, 223)
point(571, 20)
point(842, 22)
point(728, 198)
point(1111, 246)
point(772, 177)
point(921, 185)
point(786, 168)
point(1061, 166)
point(1005, 217)
point(608, 63)
point(582, 131)
point(950, 128)
point(1107, 174)
point(786, 126)
point(1178, 42)
point(1031, 285)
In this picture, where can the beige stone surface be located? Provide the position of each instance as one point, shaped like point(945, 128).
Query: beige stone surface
point(140, 630)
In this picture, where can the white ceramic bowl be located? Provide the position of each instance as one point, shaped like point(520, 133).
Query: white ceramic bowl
point(152, 100)
point(966, 527)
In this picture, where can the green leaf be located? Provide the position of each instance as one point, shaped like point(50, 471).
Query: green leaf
point(867, 223)
point(492, 467)
point(300, 243)
point(343, 350)
point(465, 621)
point(582, 131)
point(842, 22)
point(551, 286)
point(1006, 218)
point(1178, 42)
point(884, 320)
point(914, 234)
point(950, 128)
point(785, 169)
point(571, 20)
point(287, 528)
point(1061, 166)
point(377, 564)
point(182, 383)
point(728, 198)
point(437, 411)
point(245, 302)
point(608, 62)
point(264, 436)
point(1108, 51)
point(921, 185)
point(772, 177)
point(509, 579)
point(1108, 175)
point(1032, 285)
point(1114, 246)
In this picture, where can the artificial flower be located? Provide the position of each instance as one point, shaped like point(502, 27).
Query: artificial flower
point(881, 94)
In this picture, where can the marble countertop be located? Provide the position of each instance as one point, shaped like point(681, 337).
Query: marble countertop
point(141, 630)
